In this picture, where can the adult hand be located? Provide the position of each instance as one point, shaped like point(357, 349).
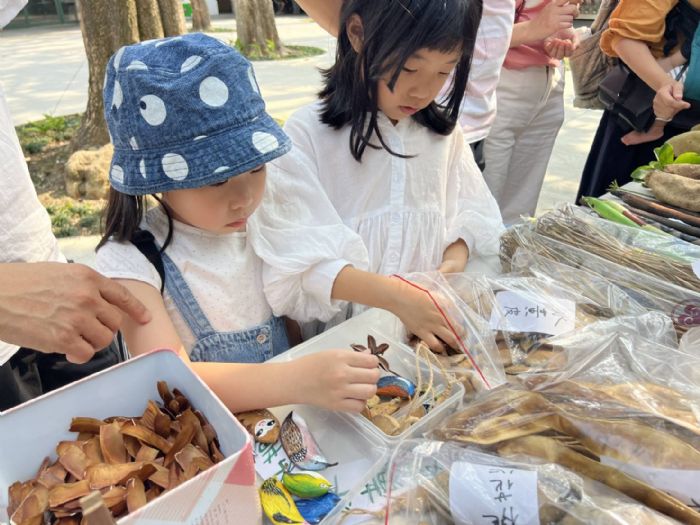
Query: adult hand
point(557, 15)
point(337, 379)
point(562, 44)
point(64, 308)
point(669, 100)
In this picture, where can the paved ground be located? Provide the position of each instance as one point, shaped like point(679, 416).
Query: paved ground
point(45, 71)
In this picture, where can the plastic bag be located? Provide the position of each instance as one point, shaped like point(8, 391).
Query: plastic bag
point(662, 256)
point(681, 304)
point(436, 483)
point(525, 311)
point(618, 408)
point(476, 363)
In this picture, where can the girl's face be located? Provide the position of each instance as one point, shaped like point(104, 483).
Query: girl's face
point(219, 208)
point(423, 76)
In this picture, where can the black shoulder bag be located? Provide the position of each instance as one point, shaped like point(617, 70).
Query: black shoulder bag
point(630, 99)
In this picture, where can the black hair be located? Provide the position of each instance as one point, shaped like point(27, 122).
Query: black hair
point(394, 30)
point(123, 215)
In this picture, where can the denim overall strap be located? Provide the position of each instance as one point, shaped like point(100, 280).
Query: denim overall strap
point(184, 299)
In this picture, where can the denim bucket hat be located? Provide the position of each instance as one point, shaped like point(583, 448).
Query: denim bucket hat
point(185, 112)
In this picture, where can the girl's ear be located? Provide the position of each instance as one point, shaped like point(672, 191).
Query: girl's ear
point(355, 32)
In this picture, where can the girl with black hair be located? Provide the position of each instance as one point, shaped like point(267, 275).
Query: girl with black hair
point(380, 159)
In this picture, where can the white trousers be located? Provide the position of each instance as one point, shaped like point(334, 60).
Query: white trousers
point(517, 150)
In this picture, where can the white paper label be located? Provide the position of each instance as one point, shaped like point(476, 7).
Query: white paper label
point(696, 268)
point(681, 484)
point(492, 495)
point(270, 460)
point(530, 313)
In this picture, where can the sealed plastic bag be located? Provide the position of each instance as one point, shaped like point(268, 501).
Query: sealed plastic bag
point(618, 409)
point(663, 256)
point(476, 362)
point(524, 311)
point(435, 483)
point(681, 304)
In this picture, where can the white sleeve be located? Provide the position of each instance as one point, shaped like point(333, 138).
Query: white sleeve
point(472, 212)
point(123, 260)
point(302, 241)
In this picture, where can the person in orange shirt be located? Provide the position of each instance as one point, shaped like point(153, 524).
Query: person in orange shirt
point(651, 37)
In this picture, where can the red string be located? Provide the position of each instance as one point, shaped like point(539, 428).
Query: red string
point(454, 332)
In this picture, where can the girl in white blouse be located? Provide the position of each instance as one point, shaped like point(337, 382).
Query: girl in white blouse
point(377, 158)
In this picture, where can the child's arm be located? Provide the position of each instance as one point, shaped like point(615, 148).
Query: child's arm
point(669, 92)
point(455, 258)
point(413, 306)
point(333, 379)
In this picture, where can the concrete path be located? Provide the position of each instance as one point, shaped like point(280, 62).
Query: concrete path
point(45, 71)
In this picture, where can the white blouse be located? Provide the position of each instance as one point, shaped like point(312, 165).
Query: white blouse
point(324, 210)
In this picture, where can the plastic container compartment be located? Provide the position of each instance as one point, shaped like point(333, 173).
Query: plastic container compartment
point(31, 432)
point(401, 360)
point(341, 440)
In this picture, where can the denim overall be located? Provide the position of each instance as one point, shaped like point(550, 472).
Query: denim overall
point(253, 345)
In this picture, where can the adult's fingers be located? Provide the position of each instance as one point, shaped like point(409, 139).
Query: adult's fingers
point(96, 334)
point(80, 352)
point(363, 376)
point(123, 299)
point(110, 316)
point(677, 91)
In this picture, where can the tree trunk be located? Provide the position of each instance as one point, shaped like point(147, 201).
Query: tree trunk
point(256, 29)
point(150, 26)
point(201, 21)
point(173, 17)
point(96, 25)
point(126, 23)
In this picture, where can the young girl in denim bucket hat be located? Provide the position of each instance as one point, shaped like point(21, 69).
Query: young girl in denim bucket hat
point(380, 159)
point(189, 127)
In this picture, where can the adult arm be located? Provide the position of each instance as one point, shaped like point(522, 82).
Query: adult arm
point(63, 308)
point(557, 15)
point(326, 13)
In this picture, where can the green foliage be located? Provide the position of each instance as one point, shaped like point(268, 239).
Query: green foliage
point(255, 51)
point(35, 136)
point(71, 218)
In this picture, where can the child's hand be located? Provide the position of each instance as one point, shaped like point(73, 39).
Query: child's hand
point(337, 379)
point(557, 15)
point(422, 318)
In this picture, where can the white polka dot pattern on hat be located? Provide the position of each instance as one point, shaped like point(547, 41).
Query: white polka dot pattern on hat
point(117, 96)
point(175, 166)
point(264, 142)
point(117, 174)
point(153, 110)
point(142, 168)
point(190, 63)
point(118, 57)
point(134, 145)
point(221, 169)
point(137, 65)
point(251, 77)
point(213, 92)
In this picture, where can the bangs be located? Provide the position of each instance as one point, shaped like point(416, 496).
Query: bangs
point(393, 31)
